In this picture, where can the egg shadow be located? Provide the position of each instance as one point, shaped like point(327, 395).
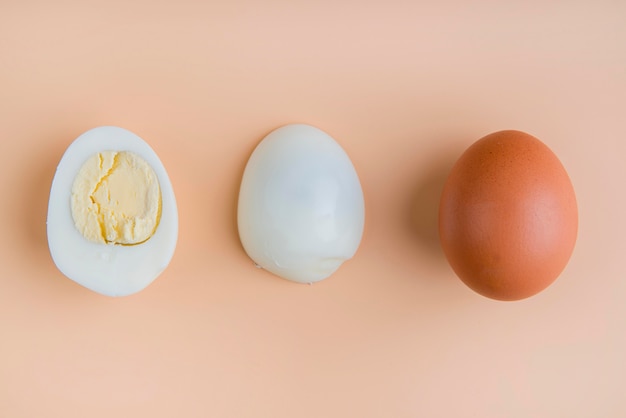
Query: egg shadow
point(33, 201)
point(424, 209)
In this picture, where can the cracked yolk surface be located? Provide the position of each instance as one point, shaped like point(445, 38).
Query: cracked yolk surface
point(116, 199)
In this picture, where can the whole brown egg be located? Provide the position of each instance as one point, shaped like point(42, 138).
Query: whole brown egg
point(508, 218)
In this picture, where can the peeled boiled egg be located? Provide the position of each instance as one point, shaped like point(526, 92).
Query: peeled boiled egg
point(508, 218)
point(112, 218)
point(301, 209)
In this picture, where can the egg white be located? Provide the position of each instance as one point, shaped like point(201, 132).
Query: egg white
point(112, 270)
point(301, 210)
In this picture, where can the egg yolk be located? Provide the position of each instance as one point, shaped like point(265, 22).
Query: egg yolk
point(116, 199)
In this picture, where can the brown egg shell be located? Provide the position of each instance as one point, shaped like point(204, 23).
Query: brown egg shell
point(508, 218)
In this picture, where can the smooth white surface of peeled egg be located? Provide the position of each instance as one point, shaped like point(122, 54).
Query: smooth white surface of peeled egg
point(109, 269)
point(301, 210)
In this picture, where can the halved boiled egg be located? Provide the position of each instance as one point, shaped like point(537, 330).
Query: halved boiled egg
point(112, 216)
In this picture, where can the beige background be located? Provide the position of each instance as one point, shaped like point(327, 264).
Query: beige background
point(405, 87)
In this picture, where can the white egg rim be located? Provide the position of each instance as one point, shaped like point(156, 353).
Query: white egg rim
point(63, 232)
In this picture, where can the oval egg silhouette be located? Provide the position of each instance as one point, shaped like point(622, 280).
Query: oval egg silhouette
point(301, 209)
point(106, 268)
point(508, 218)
